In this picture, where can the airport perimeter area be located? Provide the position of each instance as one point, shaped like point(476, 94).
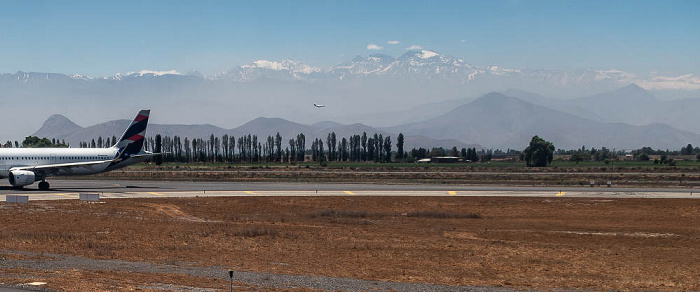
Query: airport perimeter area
point(350, 237)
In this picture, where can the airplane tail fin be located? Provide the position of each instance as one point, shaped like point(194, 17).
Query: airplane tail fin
point(131, 141)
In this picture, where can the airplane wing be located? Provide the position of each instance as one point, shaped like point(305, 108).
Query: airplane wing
point(148, 154)
point(55, 167)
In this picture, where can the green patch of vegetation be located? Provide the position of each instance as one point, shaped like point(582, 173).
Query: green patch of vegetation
point(556, 164)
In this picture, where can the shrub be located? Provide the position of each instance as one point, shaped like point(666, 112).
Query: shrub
point(442, 215)
point(255, 232)
point(334, 213)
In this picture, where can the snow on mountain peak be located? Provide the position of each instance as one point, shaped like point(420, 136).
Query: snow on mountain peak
point(682, 82)
point(496, 70)
point(285, 65)
point(155, 73)
point(613, 74)
point(80, 77)
point(425, 54)
point(265, 64)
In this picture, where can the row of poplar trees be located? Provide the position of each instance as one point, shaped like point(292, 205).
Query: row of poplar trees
point(249, 148)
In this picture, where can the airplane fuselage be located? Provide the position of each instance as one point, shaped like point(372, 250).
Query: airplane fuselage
point(27, 157)
point(24, 166)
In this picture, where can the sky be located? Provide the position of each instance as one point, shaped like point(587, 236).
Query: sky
point(102, 38)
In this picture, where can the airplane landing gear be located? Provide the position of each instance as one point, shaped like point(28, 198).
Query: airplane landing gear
point(44, 186)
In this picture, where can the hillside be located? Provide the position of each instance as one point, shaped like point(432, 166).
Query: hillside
point(62, 128)
point(499, 121)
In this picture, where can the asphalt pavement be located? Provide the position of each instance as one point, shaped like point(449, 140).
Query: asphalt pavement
point(71, 189)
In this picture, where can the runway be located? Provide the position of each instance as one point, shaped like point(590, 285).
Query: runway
point(70, 189)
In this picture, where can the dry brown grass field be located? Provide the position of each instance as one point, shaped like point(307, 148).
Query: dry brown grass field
point(465, 175)
point(530, 243)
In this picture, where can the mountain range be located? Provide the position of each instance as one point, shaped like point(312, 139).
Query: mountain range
point(494, 120)
point(501, 121)
point(378, 90)
point(59, 127)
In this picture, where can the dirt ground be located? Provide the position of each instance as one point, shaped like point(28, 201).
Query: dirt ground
point(568, 177)
point(530, 243)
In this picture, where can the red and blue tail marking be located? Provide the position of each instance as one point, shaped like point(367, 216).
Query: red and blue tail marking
point(131, 141)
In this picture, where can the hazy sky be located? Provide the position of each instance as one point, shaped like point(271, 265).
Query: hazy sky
point(100, 38)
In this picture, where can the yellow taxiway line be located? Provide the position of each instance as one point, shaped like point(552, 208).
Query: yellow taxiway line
point(349, 192)
point(452, 193)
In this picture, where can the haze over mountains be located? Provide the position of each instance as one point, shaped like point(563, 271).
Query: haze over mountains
point(378, 90)
point(500, 121)
point(56, 127)
point(494, 120)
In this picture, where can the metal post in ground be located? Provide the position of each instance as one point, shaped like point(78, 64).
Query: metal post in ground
point(230, 276)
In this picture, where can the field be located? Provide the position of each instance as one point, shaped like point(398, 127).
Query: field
point(556, 165)
point(526, 243)
point(686, 174)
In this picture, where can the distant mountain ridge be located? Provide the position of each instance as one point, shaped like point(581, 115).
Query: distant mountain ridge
point(494, 120)
point(57, 126)
point(630, 104)
point(425, 64)
point(262, 127)
point(362, 89)
point(499, 121)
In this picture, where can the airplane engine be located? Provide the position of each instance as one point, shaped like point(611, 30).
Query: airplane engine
point(20, 178)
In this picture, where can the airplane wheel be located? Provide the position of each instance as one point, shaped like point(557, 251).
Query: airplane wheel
point(44, 186)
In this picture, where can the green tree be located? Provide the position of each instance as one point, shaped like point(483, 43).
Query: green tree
point(688, 150)
point(643, 157)
point(387, 149)
point(454, 152)
point(540, 152)
point(399, 148)
point(36, 142)
point(278, 147)
point(158, 149)
point(321, 156)
point(363, 153)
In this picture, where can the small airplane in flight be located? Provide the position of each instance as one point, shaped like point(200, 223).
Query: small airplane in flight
point(24, 166)
point(319, 105)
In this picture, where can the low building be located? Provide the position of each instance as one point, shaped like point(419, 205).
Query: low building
point(445, 159)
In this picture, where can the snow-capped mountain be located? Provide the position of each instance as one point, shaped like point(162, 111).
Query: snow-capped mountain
point(285, 70)
point(363, 65)
point(424, 64)
point(36, 77)
point(427, 65)
point(418, 65)
point(431, 65)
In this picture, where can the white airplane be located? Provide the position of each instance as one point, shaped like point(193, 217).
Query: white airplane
point(24, 166)
point(319, 105)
